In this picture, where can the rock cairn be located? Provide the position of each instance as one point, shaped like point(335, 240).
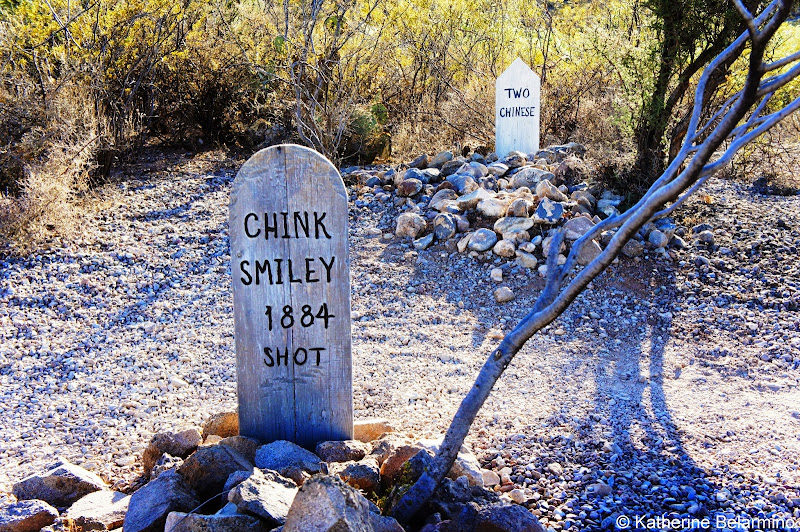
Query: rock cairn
point(212, 479)
point(507, 208)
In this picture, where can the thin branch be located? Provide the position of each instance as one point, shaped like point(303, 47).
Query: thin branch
point(781, 62)
point(748, 18)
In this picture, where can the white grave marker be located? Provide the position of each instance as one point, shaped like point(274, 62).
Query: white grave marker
point(516, 113)
point(291, 297)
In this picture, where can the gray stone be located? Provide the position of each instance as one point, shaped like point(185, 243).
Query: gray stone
point(265, 494)
point(464, 242)
point(546, 189)
point(424, 242)
point(571, 170)
point(666, 226)
point(60, 486)
point(497, 169)
point(26, 516)
point(180, 443)
point(471, 200)
point(420, 162)
point(236, 478)
point(223, 424)
point(394, 465)
point(515, 159)
point(657, 238)
point(440, 158)
point(706, 237)
point(504, 248)
point(280, 455)
point(432, 175)
point(496, 275)
point(209, 467)
point(677, 242)
point(574, 228)
point(492, 207)
point(463, 183)
point(548, 212)
point(453, 166)
point(476, 170)
point(490, 478)
point(409, 187)
point(462, 223)
point(101, 510)
point(512, 224)
point(440, 199)
point(327, 504)
point(363, 474)
point(243, 445)
point(699, 228)
point(183, 522)
point(342, 451)
point(609, 211)
point(598, 489)
point(517, 237)
point(633, 248)
point(482, 240)
point(497, 517)
point(588, 252)
point(165, 463)
point(367, 430)
point(410, 224)
point(150, 505)
point(584, 196)
point(445, 226)
point(529, 177)
point(526, 260)
point(503, 294)
point(546, 246)
point(519, 208)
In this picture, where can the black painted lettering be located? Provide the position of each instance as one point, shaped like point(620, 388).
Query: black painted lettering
point(269, 361)
point(292, 278)
point(284, 356)
point(301, 222)
point(258, 231)
point(317, 350)
point(318, 224)
point(242, 266)
point(327, 266)
point(298, 361)
point(310, 271)
point(278, 272)
point(270, 228)
point(285, 216)
point(263, 267)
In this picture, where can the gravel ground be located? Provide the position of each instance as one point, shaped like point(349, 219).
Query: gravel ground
point(671, 387)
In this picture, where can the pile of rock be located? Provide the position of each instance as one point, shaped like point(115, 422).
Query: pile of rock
point(508, 208)
point(216, 480)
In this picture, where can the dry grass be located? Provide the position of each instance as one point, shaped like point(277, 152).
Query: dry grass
point(54, 191)
point(771, 161)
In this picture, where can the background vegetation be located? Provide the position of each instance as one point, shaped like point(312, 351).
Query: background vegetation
point(84, 83)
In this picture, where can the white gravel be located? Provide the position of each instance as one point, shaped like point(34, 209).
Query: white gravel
point(674, 369)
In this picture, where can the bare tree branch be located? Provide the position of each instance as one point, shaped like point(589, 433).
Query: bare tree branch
point(684, 176)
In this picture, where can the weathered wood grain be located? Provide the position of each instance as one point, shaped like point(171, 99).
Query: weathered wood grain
point(299, 400)
point(517, 110)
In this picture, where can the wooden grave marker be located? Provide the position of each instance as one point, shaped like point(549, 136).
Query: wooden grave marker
point(291, 297)
point(516, 112)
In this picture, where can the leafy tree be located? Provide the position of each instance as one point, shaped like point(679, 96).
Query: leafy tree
point(690, 33)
